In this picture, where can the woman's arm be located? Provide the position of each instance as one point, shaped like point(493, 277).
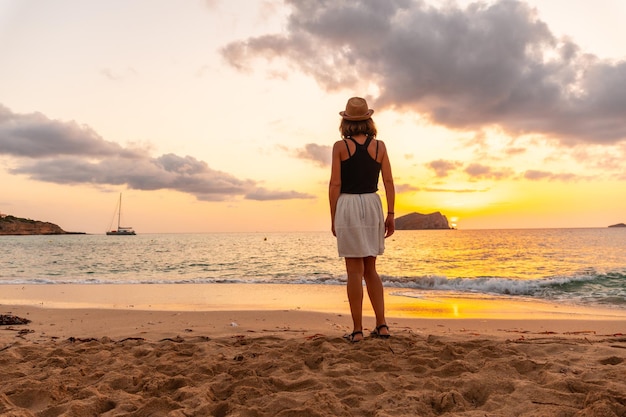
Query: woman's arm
point(390, 192)
point(334, 185)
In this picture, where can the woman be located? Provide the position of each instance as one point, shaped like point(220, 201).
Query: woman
point(356, 210)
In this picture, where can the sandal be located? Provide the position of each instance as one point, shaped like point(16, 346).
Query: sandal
point(350, 337)
point(376, 332)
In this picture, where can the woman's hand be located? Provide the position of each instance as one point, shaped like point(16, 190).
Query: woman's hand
point(390, 225)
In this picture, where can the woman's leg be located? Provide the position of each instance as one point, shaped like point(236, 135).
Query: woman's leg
point(354, 269)
point(375, 291)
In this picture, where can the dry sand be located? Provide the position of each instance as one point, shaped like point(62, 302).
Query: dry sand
point(294, 361)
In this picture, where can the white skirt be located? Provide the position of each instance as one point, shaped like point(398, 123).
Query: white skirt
point(359, 225)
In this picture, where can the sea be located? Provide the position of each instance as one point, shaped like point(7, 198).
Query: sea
point(574, 266)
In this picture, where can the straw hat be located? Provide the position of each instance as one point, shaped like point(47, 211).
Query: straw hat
point(356, 110)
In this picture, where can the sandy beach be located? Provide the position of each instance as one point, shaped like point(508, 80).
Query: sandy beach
point(144, 351)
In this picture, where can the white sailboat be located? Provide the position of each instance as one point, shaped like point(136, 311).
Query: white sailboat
point(121, 230)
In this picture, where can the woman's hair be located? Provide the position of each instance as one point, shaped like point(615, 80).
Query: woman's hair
point(352, 128)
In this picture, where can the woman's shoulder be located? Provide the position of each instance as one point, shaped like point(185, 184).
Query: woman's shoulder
point(340, 142)
point(340, 149)
point(381, 150)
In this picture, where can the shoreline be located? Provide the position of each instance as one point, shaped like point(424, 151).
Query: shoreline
point(216, 310)
point(399, 302)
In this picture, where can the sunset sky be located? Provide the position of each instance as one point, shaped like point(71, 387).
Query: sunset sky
point(219, 116)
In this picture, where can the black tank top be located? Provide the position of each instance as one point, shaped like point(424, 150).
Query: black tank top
point(359, 173)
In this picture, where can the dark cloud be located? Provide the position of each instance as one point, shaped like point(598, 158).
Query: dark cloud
point(479, 171)
point(453, 190)
point(320, 154)
point(68, 153)
point(406, 188)
point(35, 135)
point(442, 167)
point(537, 175)
point(262, 194)
point(484, 65)
point(409, 188)
point(515, 151)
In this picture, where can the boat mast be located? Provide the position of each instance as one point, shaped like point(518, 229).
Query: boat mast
point(119, 213)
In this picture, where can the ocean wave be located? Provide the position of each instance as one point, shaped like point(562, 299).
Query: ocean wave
point(606, 289)
point(492, 285)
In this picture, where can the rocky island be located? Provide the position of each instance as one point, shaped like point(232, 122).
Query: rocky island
point(11, 225)
point(418, 221)
point(618, 225)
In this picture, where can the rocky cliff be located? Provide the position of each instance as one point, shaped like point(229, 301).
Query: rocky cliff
point(10, 225)
point(418, 221)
